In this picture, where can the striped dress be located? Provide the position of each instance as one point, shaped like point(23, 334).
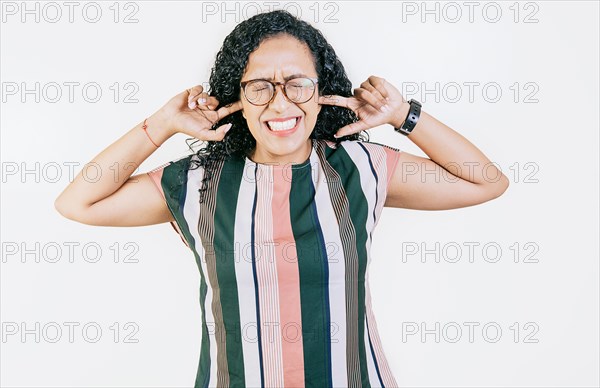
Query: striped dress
point(283, 253)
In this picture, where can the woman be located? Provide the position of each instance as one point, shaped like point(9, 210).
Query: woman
point(279, 207)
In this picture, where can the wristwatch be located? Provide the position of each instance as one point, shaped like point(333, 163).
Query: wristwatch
point(411, 119)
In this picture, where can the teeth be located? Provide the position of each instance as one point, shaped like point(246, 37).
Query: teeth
point(282, 125)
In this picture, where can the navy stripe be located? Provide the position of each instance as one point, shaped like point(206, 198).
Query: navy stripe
point(373, 355)
point(253, 244)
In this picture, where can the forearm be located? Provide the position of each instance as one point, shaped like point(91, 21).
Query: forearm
point(112, 167)
point(451, 150)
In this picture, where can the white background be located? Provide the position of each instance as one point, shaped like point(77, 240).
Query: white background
point(552, 202)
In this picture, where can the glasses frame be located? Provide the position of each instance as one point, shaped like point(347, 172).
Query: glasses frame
point(315, 82)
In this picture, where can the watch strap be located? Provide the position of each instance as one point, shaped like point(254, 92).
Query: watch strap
point(411, 118)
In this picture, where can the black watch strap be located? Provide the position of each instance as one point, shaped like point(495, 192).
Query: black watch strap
point(411, 119)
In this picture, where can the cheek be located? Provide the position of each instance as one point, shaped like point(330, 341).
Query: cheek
point(312, 112)
point(251, 115)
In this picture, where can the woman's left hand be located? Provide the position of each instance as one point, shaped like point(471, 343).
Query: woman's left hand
point(376, 102)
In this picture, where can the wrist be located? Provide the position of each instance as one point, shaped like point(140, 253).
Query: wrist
point(159, 127)
point(400, 114)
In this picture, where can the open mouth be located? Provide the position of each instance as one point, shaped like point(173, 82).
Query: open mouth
point(282, 127)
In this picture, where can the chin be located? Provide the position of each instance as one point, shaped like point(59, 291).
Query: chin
point(285, 148)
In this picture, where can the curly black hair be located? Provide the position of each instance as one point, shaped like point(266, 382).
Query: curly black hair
point(230, 65)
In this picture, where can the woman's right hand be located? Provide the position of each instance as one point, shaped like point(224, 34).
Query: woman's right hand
point(186, 113)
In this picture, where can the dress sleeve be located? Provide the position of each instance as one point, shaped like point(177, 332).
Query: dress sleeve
point(170, 179)
point(384, 160)
point(391, 159)
point(375, 164)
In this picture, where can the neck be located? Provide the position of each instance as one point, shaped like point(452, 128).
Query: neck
point(262, 156)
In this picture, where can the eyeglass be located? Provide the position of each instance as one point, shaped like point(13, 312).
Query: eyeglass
point(297, 90)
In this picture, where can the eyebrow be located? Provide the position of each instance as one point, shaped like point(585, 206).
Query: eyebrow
point(289, 77)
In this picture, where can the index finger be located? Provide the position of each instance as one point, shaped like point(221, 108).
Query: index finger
point(334, 100)
point(228, 109)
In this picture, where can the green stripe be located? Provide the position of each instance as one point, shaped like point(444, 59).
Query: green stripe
point(225, 256)
point(358, 208)
point(312, 267)
point(174, 185)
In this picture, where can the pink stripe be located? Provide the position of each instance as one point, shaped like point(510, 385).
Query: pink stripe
point(266, 271)
point(156, 177)
point(392, 161)
point(289, 281)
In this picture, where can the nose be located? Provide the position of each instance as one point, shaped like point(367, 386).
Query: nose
point(279, 102)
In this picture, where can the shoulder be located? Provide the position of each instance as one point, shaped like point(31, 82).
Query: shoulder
point(358, 148)
point(181, 164)
point(173, 174)
point(370, 158)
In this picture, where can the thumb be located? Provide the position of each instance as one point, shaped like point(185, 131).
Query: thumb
point(223, 129)
point(215, 134)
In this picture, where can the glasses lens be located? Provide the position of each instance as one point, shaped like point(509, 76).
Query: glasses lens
point(258, 92)
point(299, 90)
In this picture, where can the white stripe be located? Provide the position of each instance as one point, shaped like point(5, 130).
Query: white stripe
point(379, 160)
point(386, 374)
point(245, 279)
point(373, 378)
point(337, 273)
